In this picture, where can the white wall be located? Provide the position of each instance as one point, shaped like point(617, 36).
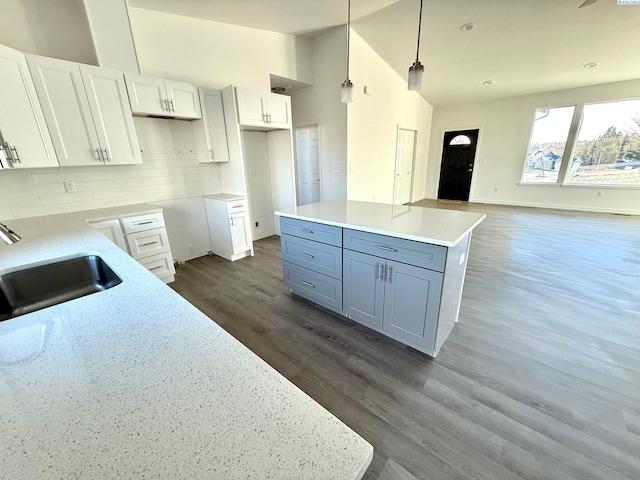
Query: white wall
point(52, 28)
point(321, 105)
point(505, 127)
point(373, 121)
point(255, 146)
point(214, 54)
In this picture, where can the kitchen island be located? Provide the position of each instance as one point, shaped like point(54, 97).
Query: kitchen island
point(396, 269)
point(135, 382)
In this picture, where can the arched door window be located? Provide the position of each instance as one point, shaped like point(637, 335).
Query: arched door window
point(460, 140)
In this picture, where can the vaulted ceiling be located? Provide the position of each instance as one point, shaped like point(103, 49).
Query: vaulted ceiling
point(523, 46)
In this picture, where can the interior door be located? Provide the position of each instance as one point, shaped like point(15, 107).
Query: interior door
point(405, 150)
point(458, 155)
point(308, 164)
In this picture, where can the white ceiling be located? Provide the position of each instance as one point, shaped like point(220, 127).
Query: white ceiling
point(525, 46)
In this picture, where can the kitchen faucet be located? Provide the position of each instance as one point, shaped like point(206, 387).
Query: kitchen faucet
point(8, 236)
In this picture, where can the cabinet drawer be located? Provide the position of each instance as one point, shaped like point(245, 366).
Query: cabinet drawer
point(319, 288)
point(161, 265)
point(145, 244)
point(410, 252)
point(319, 257)
point(237, 206)
point(311, 230)
point(140, 223)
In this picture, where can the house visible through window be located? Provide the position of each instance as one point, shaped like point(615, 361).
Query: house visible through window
point(547, 144)
point(608, 148)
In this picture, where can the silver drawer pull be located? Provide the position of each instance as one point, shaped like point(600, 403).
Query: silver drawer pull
point(155, 268)
point(388, 249)
point(237, 206)
point(389, 274)
point(306, 230)
point(311, 285)
point(381, 272)
point(307, 255)
point(147, 244)
point(143, 223)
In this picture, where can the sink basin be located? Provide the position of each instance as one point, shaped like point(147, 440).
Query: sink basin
point(37, 287)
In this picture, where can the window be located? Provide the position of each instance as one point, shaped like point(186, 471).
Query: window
point(547, 144)
point(460, 140)
point(608, 148)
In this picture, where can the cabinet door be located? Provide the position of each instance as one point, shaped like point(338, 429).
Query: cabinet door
point(147, 95)
point(22, 123)
point(109, 105)
point(183, 100)
point(113, 231)
point(240, 233)
point(214, 126)
point(363, 287)
point(252, 107)
point(412, 303)
point(279, 110)
point(66, 110)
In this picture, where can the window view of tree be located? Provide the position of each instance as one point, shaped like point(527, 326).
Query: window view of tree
point(547, 145)
point(608, 147)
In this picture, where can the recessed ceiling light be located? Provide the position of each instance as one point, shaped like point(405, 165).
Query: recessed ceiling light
point(467, 27)
point(488, 82)
point(591, 65)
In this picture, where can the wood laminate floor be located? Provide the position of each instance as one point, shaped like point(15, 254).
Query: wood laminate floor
point(540, 379)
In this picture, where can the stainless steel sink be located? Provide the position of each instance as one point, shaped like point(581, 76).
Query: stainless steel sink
point(33, 288)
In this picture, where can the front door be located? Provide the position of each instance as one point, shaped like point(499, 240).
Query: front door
point(458, 155)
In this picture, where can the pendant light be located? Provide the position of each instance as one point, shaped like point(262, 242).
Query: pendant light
point(417, 69)
point(347, 86)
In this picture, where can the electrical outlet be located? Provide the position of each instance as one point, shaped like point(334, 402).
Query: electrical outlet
point(600, 193)
point(70, 187)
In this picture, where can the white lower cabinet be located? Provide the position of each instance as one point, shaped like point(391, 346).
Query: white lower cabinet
point(144, 237)
point(229, 226)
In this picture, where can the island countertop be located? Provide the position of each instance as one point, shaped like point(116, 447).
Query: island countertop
point(135, 382)
point(428, 225)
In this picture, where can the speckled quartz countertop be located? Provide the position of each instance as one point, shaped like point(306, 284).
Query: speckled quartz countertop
point(429, 225)
point(135, 382)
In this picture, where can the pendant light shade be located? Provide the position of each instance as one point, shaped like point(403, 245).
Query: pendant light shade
point(347, 86)
point(416, 70)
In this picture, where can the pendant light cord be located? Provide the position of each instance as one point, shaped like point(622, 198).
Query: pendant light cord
point(348, 34)
point(419, 28)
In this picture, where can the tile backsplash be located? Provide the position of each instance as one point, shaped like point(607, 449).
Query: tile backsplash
point(170, 170)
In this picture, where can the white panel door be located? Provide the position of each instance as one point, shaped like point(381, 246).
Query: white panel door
point(66, 110)
point(404, 166)
point(251, 107)
point(147, 95)
point(22, 123)
point(112, 115)
point(183, 99)
point(279, 110)
point(308, 164)
point(214, 125)
point(240, 232)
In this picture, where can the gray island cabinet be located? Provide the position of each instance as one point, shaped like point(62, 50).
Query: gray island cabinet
point(398, 270)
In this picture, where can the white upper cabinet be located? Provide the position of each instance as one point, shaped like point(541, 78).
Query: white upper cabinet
point(25, 140)
point(215, 134)
point(87, 111)
point(163, 98)
point(261, 109)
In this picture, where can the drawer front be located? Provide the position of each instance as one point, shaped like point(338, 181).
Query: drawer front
point(319, 288)
point(410, 252)
point(319, 257)
point(311, 230)
point(145, 244)
point(160, 265)
point(236, 206)
point(139, 223)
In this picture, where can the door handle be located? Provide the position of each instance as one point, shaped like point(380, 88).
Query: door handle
point(381, 272)
point(389, 273)
point(14, 154)
point(388, 249)
point(308, 255)
point(164, 104)
point(99, 159)
point(173, 108)
point(106, 154)
point(310, 285)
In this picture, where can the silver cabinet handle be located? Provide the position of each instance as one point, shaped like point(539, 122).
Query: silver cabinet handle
point(388, 249)
point(14, 154)
point(99, 155)
point(173, 108)
point(155, 268)
point(381, 272)
point(211, 153)
point(231, 220)
point(308, 255)
point(310, 285)
point(389, 273)
point(269, 117)
point(149, 243)
point(106, 154)
point(306, 230)
point(143, 223)
point(164, 104)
